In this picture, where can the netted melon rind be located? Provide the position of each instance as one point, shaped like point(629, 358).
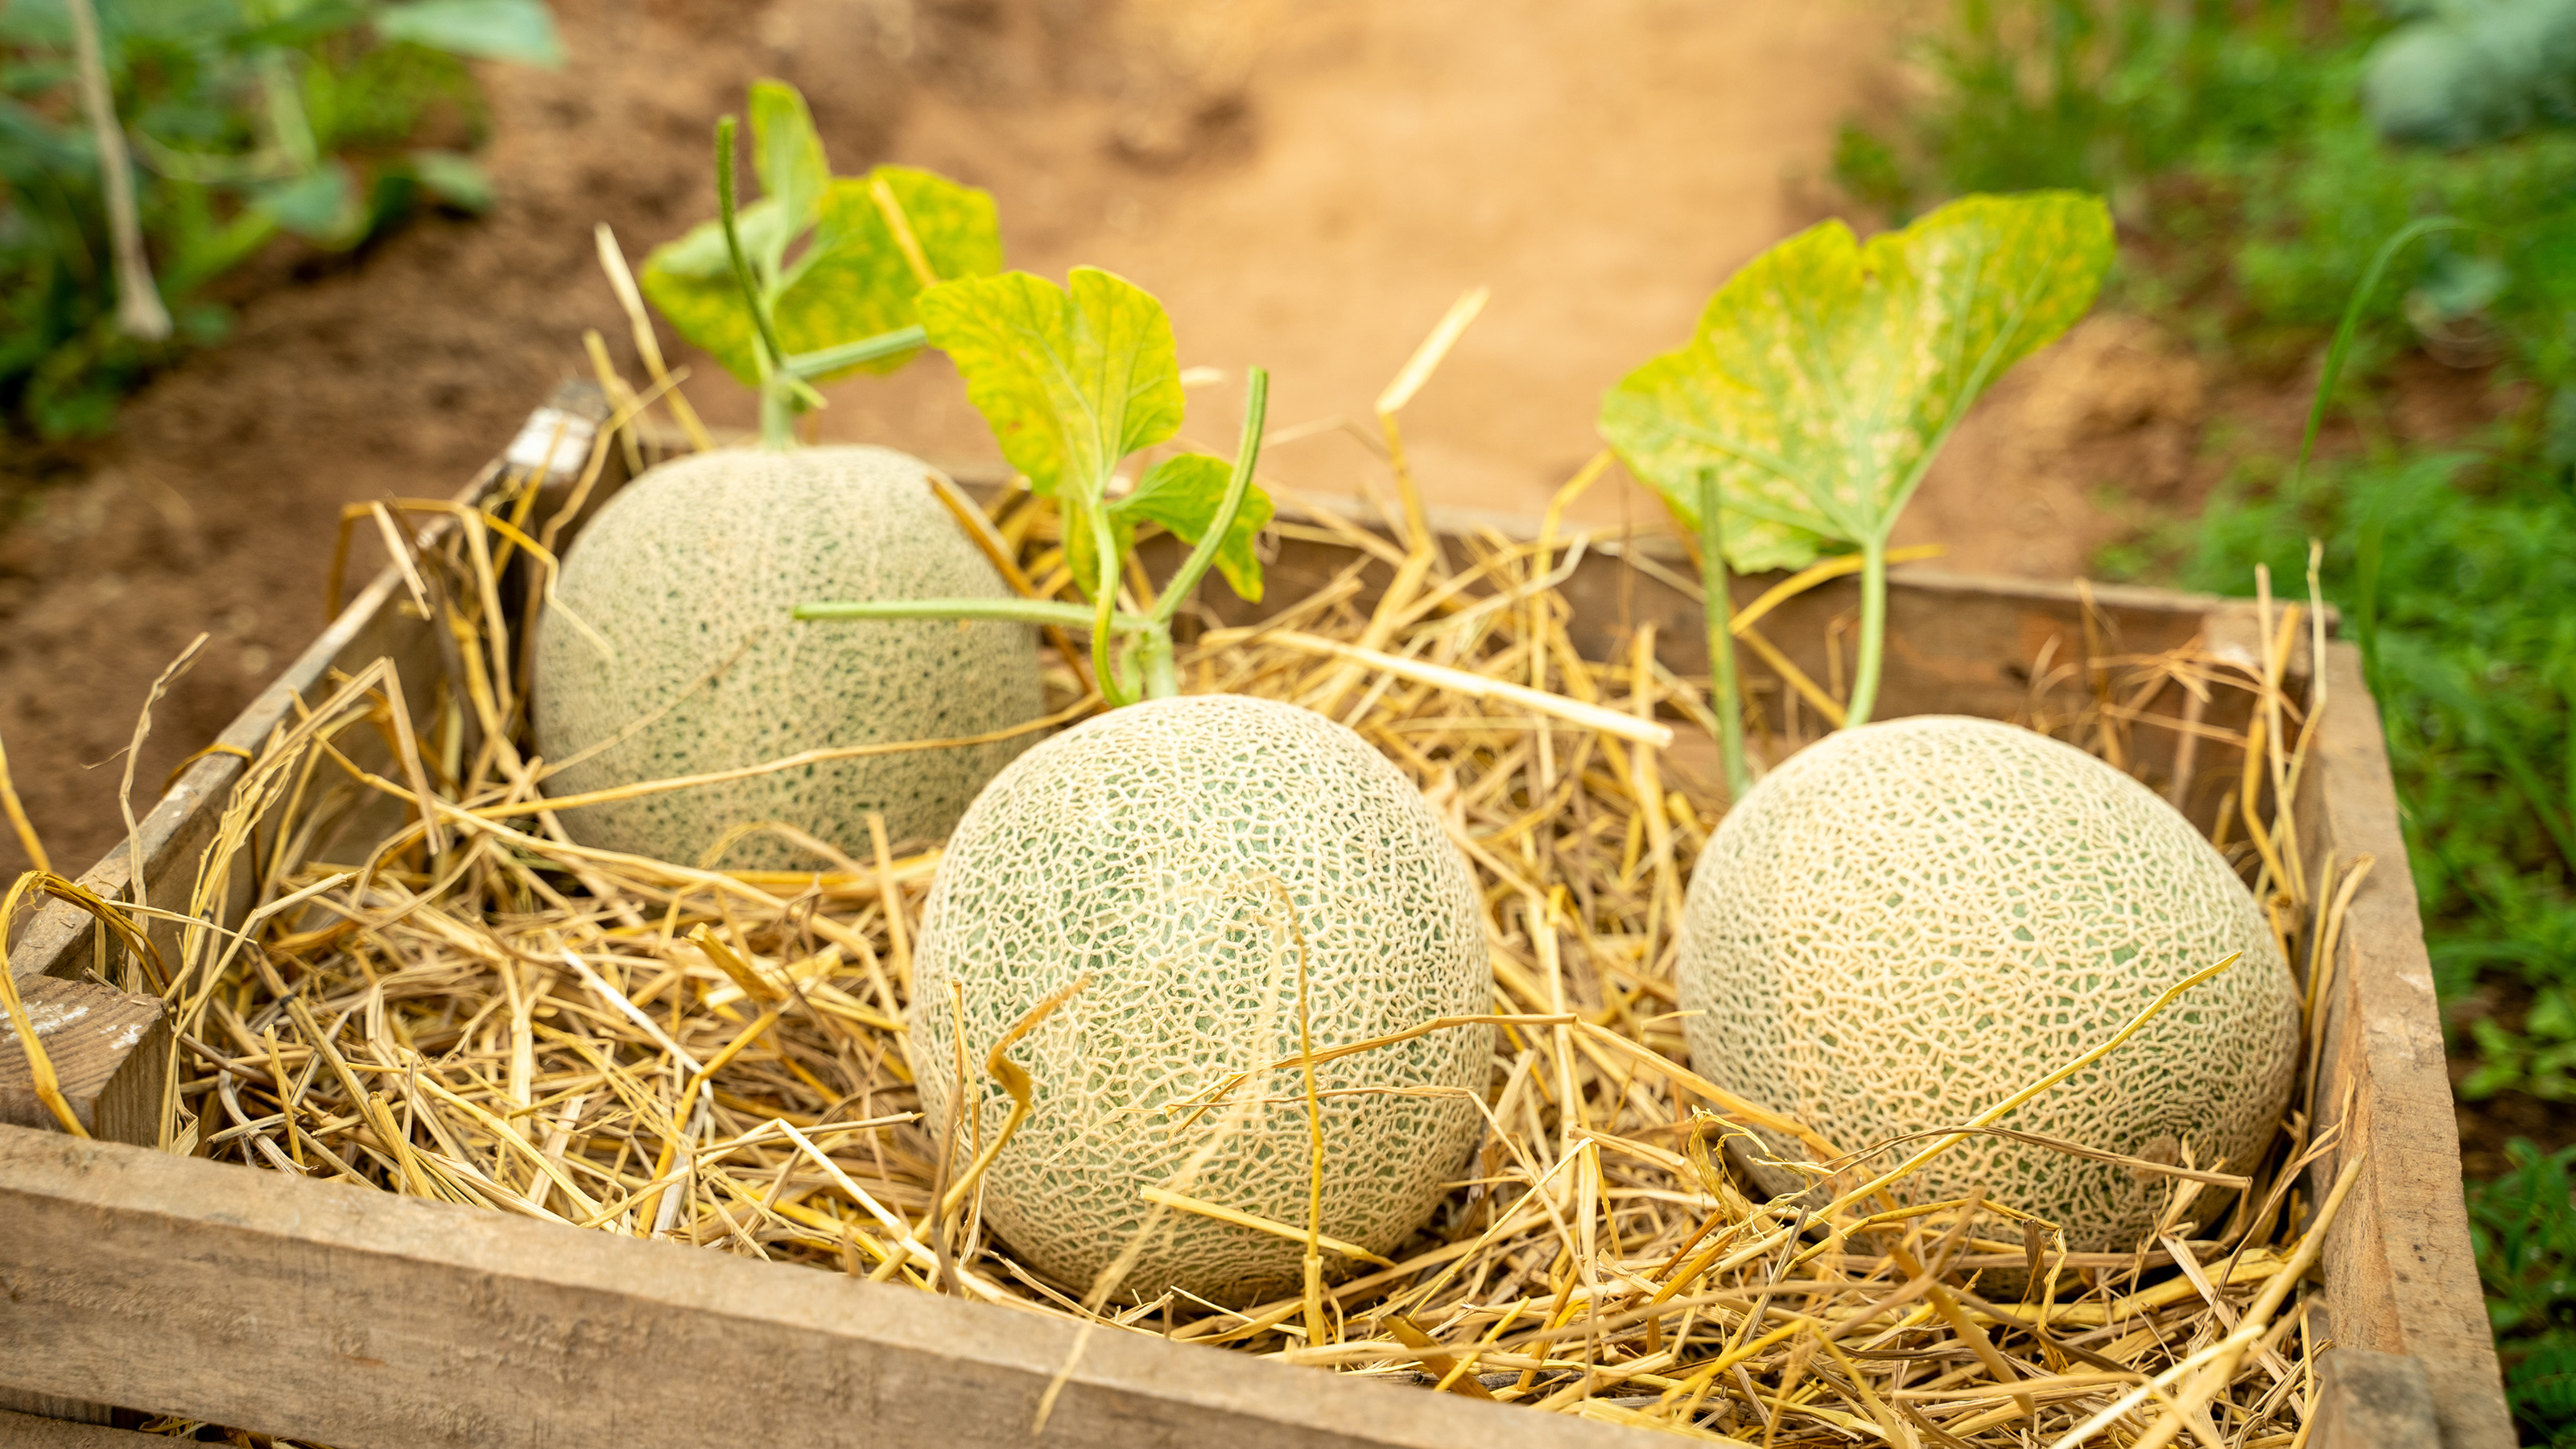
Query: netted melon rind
point(1908, 921)
point(1141, 847)
point(700, 554)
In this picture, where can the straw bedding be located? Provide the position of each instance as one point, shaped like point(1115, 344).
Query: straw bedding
point(481, 1010)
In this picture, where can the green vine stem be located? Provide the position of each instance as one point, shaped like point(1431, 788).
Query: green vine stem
point(1725, 696)
point(1247, 455)
point(1021, 611)
point(850, 354)
point(1151, 635)
point(1104, 599)
point(778, 397)
point(1873, 631)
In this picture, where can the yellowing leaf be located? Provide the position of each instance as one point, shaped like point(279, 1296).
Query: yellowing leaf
point(691, 283)
point(851, 282)
point(1825, 375)
point(1071, 381)
point(855, 283)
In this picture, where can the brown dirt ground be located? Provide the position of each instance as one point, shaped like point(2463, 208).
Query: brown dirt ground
point(1308, 186)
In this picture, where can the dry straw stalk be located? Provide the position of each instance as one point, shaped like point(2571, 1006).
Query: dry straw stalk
point(479, 1009)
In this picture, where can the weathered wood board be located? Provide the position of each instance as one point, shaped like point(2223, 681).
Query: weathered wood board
point(369, 1321)
point(106, 1049)
point(2401, 1277)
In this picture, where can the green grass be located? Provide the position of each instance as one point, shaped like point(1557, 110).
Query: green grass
point(2252, 191)
point(2526, 1240)
point(247, 120)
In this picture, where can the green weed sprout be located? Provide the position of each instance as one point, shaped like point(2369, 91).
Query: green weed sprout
point(1072, 380)
point(1824, 378)
point(783, 316)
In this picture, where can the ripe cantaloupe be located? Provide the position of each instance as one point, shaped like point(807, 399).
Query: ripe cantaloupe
point(1906, 922)
point(699, 562)
point(1149, 847)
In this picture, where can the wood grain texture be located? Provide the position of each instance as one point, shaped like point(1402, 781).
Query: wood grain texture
point(108, 1050)
point(2369, 1400)
point(370, 1321)
point(2400, 1276)
point(28, 1431)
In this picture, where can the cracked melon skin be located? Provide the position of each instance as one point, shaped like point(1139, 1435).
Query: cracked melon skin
point(693, 560)
point(1908, 921)
point(1142, 846)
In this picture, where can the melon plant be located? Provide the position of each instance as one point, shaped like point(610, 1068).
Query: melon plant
point(1906, 922)
point(1185, 857)
point(1072, 380)
point(1823, 379)
point(1193, 870)
point(668, 649)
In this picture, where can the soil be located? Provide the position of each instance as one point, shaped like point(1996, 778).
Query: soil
point(1307, 186)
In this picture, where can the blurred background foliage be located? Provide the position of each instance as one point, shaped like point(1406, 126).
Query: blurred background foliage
point(2258, 153)
point(325, 120)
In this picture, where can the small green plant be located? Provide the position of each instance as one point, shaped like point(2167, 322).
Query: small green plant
point(1824, 378)
point(325, 120)
point(817, 278)
point(2524, 1227)
point(1072, 381)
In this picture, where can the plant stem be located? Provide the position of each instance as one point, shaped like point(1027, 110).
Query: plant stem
point(1256, 410)
point(851, 354)
point(1156, 675)
point(1104, 600)
point(777, 416)
point(1873, 632)
point(1720, 613)
point(1154, 661)
point(139, 312)
point(777, 398)
point(1022, 611)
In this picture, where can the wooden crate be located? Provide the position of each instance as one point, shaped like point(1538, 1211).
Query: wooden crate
point(167, 1284)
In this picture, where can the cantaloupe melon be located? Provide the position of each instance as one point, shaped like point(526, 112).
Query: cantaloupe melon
point(1150, 847)
point(693, 569)
point(1906, 922)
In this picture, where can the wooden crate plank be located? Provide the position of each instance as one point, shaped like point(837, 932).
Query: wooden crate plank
point(2401, 1277)
point(108, 1050)
point(28, 1431)
point(2369, 1400)
point(371, 1321)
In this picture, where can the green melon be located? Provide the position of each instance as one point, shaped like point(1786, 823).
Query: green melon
point(1906, 922)
point(1142, 847)
point(680, 572)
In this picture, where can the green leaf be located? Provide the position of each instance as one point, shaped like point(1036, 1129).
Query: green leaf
point(519, 30)
point(691, 283)
point(1825, 375)
point(1183, 494)
point(855, 282)
point(457, 180)
point(1070, 381)
point(851, 283)
point(322, 205)
point(788, 158)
